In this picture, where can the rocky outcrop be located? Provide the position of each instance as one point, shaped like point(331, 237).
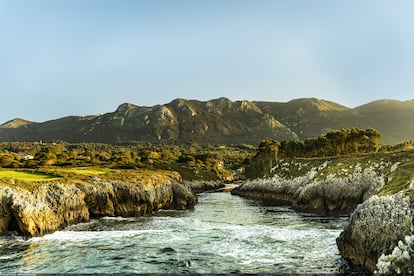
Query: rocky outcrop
point(183, 197)
point(375, 228)
point(326, 187)
point(52, 206)
point(205, 186)
point(377, 189)
point(34, 213)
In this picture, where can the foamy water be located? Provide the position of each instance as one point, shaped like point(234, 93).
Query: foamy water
point(224, 234)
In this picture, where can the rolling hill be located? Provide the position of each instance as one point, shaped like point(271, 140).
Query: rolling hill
point(220, 121)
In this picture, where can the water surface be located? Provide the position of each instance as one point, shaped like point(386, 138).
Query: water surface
point(223, 234)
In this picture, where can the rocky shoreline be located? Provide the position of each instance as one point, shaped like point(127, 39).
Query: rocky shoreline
point(316, 188)
point(51, 206)
point(205, 186)
point(376, 193)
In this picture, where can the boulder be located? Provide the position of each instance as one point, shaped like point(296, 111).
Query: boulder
point(375, 228)
point(183, 197)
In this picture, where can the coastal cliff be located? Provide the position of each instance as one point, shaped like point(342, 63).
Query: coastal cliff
point(34, 209)
point(377, 190)
point(319, 185)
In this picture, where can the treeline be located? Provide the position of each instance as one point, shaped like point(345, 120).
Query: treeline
point(406, 145)
point(192, 161)
point(334, 143)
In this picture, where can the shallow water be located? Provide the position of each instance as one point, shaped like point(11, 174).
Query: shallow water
point(223, 234)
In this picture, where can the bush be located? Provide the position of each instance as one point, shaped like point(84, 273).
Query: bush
point(400, 261)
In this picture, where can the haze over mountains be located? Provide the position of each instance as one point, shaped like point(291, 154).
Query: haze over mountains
point(220, 121)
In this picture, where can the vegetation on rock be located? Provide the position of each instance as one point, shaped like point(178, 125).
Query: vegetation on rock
point(345, 171)
point(34, 208)
point(335, 143)
point(401, 260)
point(375, 228)
point(331, 173)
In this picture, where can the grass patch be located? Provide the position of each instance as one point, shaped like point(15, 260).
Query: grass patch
point(30, 176)
point(400, 179)
point(86, 171)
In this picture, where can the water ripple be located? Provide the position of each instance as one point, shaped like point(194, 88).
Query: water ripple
point(224, 234)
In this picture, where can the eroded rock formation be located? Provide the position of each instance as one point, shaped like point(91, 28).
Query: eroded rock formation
point(52, 206)
point(205, 186)
point(375, 228)
point(316, 187)
point(378, 192)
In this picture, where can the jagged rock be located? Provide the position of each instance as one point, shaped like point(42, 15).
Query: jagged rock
point(99, 198)
point(183, 196)
point(313, 189)
point(375, 228)
point(5, 212)
point(49, 208)
point(53, 206)
point(205, 186)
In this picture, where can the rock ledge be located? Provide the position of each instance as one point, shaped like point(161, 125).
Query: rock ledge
point(52, 206)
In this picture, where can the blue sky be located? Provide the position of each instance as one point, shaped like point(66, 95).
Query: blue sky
point(81, 57)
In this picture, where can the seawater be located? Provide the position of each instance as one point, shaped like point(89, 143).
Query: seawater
point(223, 234)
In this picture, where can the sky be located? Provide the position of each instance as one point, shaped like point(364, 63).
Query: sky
point(86, 57)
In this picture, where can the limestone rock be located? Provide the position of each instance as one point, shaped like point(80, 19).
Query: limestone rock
point(205, 186)
point(47, 209)
point(183, 196)
point(52, 206)
point(99, 198)
point(313, 189)
point(375, 228)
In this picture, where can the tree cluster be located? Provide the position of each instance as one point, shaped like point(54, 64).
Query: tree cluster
point(334, 143)
point(406, 145)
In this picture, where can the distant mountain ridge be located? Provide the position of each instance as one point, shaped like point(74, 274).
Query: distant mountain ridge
point(220, 121)
point(15, 123)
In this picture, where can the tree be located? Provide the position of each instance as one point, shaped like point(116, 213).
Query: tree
point(8, 161)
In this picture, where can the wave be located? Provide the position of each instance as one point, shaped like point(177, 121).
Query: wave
point(91, 235)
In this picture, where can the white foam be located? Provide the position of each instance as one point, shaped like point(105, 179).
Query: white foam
point(90, 235)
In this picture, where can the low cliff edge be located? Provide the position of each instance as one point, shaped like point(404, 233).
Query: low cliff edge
point(34, 209)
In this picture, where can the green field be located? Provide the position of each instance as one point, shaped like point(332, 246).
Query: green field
point(54, 174)
point(27, 175)
point(86, 171)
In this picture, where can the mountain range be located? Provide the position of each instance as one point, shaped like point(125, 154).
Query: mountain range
point(220, 121)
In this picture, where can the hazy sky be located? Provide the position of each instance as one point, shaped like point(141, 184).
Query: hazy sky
point(80, 57)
